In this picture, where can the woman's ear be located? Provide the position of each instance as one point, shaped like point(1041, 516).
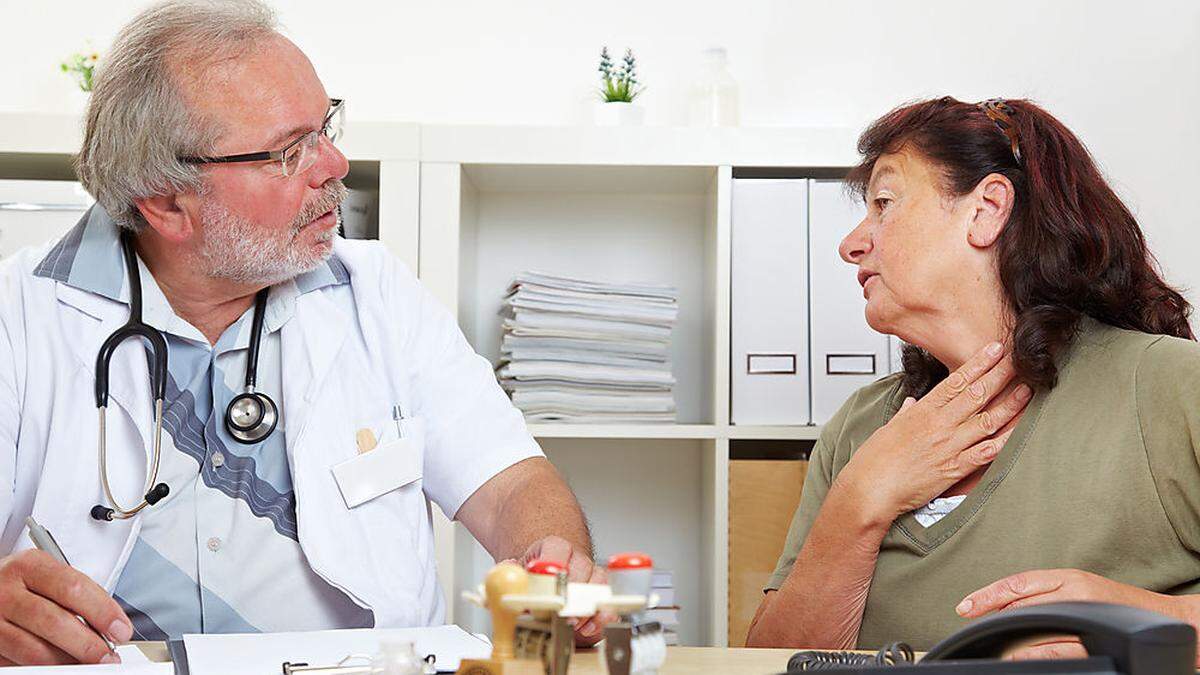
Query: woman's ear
point(993, 204)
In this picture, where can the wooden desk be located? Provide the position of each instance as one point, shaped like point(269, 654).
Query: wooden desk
point(680, 660)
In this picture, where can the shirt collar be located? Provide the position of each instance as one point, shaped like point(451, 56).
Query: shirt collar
point(89, 258)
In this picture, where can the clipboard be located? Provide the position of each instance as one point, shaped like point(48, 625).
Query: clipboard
point(178, 653)
point(344, 667)
point(177, 650)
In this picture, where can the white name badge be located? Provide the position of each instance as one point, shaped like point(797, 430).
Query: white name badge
point(373, 473)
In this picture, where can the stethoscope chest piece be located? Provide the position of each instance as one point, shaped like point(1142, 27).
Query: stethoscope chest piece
point(251, 417)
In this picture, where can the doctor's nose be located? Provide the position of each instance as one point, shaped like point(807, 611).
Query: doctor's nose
point(331, 163)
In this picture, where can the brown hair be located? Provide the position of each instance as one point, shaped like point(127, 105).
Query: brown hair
point(1070, 248)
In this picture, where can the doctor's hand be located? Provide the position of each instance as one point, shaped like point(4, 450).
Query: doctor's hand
point(39, 600)
point(580, 568)
point(1039, 587)
point(932, 444)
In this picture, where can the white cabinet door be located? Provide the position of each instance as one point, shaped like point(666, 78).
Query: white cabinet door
point(769, 269)
point(846, 353)
point(33, 212)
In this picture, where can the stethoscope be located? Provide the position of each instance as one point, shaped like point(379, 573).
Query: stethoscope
point(250, 417)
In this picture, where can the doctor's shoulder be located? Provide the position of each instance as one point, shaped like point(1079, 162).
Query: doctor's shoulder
point(372, 266)
point(19, 284)
point(387, 294)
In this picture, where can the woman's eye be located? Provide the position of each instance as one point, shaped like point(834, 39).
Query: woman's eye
point(882, 202)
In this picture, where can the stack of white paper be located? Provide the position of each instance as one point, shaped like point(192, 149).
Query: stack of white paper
point(587, 351)
point(666, 611)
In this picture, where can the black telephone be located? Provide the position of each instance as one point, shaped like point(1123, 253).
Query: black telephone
point(1119, 640)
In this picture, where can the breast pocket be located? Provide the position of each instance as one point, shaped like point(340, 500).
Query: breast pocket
point(377, 471)
point(390, 457)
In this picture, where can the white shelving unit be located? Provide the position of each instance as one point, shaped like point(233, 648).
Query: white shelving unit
point(639, 204)
point(469, 207)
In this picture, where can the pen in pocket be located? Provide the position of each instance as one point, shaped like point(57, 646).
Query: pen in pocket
point(398, 415)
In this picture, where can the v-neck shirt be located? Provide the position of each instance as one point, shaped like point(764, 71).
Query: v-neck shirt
point(1102, 473)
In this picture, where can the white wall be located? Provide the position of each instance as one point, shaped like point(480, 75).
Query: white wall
point(1124, 75)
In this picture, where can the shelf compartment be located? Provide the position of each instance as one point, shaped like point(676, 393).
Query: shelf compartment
point(651, 224)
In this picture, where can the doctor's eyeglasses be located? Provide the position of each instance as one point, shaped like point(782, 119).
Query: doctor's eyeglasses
point(296, 157)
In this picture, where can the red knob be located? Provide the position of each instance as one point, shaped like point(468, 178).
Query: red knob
point(543, 567)
point(629, 561)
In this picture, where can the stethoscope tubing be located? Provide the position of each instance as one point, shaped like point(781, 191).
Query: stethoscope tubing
point(157, 345)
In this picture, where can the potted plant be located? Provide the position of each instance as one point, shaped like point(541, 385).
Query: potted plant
point(81, 67)
point(618, 89)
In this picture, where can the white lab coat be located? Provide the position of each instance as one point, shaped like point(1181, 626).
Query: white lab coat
point(349, 354)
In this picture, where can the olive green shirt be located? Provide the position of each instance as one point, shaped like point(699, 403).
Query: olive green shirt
point(1101, 474)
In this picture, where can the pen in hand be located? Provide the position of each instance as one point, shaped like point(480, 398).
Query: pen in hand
point(42, 539)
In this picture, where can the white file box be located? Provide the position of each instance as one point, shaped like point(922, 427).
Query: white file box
point(769, 373)
point(846, 353)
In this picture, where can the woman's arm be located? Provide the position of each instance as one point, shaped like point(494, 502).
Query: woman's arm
point(820, 604)
point(1039, 587)
point(927, 447)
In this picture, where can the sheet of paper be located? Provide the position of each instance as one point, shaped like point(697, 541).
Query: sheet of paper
point(130, 655)
point(133, 662)
point(256, 654)
point(142, 668)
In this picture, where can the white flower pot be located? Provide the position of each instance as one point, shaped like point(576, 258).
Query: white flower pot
point(619, 114)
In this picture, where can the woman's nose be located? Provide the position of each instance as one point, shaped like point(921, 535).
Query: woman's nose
point(856, 244)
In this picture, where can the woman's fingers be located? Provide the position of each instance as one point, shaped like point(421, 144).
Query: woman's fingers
point(982, 453)
point(982, 391)
point(960, 380)
point(992, 420)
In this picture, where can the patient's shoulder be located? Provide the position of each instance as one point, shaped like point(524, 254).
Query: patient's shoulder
point(861, 415)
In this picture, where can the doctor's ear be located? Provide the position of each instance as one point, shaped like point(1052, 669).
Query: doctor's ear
point(992, 205)
point(167, 216)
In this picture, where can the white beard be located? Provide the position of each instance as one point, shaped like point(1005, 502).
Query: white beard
point(234, 248)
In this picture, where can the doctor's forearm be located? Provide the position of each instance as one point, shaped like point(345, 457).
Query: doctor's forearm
point(521, 505)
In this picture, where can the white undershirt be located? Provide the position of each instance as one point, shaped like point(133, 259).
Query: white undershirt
point(937, 509)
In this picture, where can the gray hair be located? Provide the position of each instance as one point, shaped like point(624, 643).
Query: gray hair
point(139, 121)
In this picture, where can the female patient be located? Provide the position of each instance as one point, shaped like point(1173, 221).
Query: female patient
point(1043, 441)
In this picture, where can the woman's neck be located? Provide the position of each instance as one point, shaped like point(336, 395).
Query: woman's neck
point(954, 336)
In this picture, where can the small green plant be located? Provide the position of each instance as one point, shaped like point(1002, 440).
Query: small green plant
point(620, 84)
point(81, 67)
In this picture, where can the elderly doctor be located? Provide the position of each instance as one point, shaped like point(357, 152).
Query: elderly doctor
point(296, 488)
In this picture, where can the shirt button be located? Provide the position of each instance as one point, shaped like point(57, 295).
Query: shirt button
point(218, 460)
point(214, 544)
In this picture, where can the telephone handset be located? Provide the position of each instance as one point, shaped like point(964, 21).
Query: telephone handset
point(1119, 640)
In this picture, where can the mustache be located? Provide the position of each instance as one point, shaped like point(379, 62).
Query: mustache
point(333, 192)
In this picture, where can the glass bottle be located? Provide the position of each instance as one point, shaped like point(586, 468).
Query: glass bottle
point(397, 658)
point(714, 95)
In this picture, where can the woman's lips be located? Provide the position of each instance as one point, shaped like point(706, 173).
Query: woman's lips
point(865, 276)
